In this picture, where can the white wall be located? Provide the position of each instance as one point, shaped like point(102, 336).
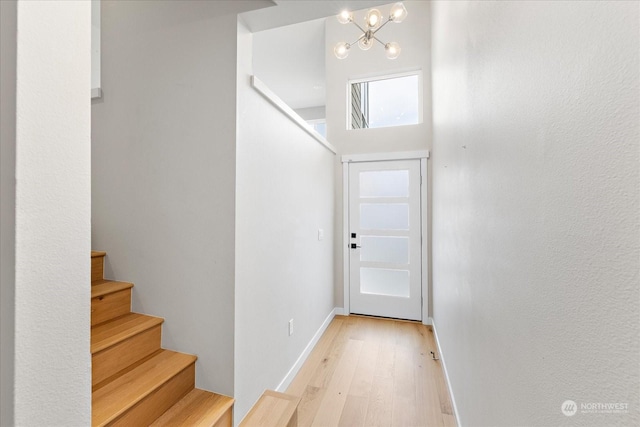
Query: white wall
point(290, 60)
point(536, 222)
point(413, 35)
point(8, 18)
point(164, 137)
point(312, 113)
point(284, 195)
point(52, 270)
point(95, 44)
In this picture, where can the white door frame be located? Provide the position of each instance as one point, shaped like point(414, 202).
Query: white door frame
point(421, 155)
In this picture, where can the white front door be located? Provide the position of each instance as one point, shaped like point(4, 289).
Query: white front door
point(385, 269)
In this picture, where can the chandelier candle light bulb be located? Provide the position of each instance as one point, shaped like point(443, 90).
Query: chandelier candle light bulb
point(345, 17)
point(342, 50)
point(373, 23)
point(373, 19)
point(392, 50)
point(398, 13)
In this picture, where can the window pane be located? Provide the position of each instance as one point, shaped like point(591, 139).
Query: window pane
point(394, 250)
point(385, 102)
point(321, 128)
point(379, 281)
point(384, 184)
point(384, 216)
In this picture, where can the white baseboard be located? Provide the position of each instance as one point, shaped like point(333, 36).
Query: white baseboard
point(284, 384)
point(446, 374)
point(340, 311)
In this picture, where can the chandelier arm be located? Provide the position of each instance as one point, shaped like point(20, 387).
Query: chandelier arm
point(380, 27)
point(359, 27)
point(358, 39)
point(379, 41)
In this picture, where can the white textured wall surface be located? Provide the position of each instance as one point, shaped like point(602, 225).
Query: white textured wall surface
point(284, 195)
point(8, 17)
point(164, 172)
point(413, 35)
point(536, 213)
point(164, 137)
point(53, 212)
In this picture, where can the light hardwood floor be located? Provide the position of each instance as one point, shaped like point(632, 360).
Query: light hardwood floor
point(373, 372)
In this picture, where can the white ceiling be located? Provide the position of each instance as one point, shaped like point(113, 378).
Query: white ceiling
point(287, 12)
point(289, 47)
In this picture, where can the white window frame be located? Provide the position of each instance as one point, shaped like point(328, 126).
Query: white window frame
point(370, 78)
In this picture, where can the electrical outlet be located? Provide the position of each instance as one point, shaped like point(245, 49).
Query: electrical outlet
point(320, 234)
point(290, 327)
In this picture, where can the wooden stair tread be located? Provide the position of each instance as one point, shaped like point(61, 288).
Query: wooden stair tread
point(104, 287)
point(117, 330)
point(116, 397)
point(96, 254)
point(198, 408)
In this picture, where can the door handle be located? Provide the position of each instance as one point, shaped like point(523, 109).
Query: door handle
point(354, 246)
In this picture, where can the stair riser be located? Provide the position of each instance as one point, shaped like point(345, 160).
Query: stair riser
point(97, 268)
point(226, 420)
point(273, 409)
point(114, 359)
point(110, 306)
point(154, 405)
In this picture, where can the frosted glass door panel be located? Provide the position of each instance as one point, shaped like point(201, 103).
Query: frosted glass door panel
point(394, 183)
point(378, 281)
point(392, 250)
point(384, 216)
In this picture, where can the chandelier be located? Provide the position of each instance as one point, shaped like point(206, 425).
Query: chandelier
point(373, 23)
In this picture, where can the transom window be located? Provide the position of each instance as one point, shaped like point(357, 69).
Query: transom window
point(385, 101)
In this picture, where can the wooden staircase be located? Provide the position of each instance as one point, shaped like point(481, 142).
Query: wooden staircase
point(134, 381)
